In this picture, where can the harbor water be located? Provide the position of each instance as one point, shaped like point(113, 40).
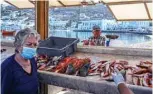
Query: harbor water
point(127, 38)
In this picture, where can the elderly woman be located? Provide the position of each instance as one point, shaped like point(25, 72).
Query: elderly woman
point(19, 71)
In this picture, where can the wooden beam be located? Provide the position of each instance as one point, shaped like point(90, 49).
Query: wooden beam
point(127, 2)
point(93, 2)
point(147, 10)
point(42, 8)
point(69, 6)
point(101, 1)
point(112, 12)
point(33, 2)
point(11, 4)
point(61, 3)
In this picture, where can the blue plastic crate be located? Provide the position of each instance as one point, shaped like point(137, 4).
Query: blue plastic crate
point(57, 46)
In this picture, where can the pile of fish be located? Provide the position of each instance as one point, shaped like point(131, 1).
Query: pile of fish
point(68, 65)
point(106, 68)
point(142, 74)
point(45, 62)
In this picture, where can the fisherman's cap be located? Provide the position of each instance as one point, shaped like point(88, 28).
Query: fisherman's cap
point(95, 27)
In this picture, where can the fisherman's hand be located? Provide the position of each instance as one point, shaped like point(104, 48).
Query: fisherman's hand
point(117, 77)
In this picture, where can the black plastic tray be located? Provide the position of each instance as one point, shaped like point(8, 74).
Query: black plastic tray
point(58, 46)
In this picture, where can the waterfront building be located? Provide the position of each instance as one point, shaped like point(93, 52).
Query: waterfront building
point(57, 24)
point(104, 24)
point(113, 24)
point(87, 25)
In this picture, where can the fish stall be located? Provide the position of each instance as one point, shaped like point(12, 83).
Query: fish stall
point(63, 64)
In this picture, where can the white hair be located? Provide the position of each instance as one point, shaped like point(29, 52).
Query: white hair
point(22, 35)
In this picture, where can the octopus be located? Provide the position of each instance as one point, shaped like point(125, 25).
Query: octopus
point(73, 66)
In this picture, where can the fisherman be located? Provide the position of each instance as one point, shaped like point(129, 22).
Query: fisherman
point(97, 39)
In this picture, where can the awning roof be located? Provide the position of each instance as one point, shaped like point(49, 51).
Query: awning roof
point(120, 1)
point(129, 10)
point(122, 10)
point(67, 3)
point(52, 3)
point(20, 3)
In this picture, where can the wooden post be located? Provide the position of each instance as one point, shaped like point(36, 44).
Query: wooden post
point(43, 88)
point(42, 8)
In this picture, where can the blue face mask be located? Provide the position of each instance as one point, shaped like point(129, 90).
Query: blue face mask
point(28, 53)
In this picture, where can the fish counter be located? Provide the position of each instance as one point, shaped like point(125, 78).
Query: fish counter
point(97, 79)
point(85, 84)
point(92, 72)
